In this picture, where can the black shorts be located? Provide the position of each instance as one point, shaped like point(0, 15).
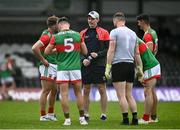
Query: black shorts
point(93, 75)
point(123, 71)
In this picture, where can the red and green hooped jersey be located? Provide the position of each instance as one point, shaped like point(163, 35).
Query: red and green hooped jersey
point(151, 36)
point(45, 39)
point(68, 45)
point(147, 57)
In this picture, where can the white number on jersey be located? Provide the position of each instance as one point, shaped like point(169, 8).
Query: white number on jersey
point(69, 42)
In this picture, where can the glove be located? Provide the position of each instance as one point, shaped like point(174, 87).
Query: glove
point(139, 73)
point(108, 71)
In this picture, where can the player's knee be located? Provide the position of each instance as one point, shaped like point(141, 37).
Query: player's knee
point(64, 94)
point(147, 90)
point(45, 91)
point(102, 91)
point(86, 90)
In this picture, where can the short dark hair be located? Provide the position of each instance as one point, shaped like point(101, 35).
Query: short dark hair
point(7, 55)
point(144, 17)
point(52, 21)
point(120, 16)
point(63, 19)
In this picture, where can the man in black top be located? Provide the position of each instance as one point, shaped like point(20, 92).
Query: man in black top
point(93, 65)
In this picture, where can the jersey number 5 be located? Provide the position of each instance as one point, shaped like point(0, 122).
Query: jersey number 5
point(68, 43)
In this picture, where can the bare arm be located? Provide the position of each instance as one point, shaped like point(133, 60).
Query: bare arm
point(150, 45)
point(84, 50)
point(111, 51)
point(110, 55)
point(36, 50)
point(139, 64)
point(49, 49)
point(138, 60)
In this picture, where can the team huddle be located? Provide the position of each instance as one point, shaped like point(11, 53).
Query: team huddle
point(94, 56)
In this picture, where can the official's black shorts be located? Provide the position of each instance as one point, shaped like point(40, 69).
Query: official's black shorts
point(123, 71)
point(93, 75)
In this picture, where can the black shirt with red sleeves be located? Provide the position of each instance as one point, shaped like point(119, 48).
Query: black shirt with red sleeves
point(96, 40)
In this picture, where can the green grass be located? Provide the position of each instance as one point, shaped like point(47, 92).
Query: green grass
point(25, 115)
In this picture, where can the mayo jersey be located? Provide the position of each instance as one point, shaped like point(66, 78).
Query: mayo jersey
point(148, 59)
point(68, 45)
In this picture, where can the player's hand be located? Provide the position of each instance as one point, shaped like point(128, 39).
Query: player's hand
point(45, 62)
point(86, 62)
point(54, 50)
point(94, 55)
point(108, 71)
point(139, 73)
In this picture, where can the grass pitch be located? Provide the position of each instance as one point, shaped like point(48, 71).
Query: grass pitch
point(25, 115)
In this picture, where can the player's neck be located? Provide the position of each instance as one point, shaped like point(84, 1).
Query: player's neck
point(51, 30)
point(120, 24)
point(146, 28)
point(65, 29)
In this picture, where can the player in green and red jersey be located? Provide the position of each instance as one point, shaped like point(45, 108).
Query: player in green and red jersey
point(152, 72)
point(151, 40)
point(47, 69)
point(6, 75)
point(68, 45)
point(150, 35)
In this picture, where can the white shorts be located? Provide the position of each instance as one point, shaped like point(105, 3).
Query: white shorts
point(7, 80)
point(154, 72)
point(68, 76)
point(48, 73)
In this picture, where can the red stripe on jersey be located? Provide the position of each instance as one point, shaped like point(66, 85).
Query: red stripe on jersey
point(61, 48)
point(142, 48)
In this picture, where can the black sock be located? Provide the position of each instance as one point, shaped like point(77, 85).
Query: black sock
point(66, 115)
point(81, 113)
point(125, 115)
point(134, 115)
point(153, 117)
point(125, 119)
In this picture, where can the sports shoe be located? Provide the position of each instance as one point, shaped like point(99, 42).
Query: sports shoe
point(103, 117)
point(125, 121)
point(153, 121)
point(44, 118)
point(86, 116)
point(142, 122)
point(134, 121)
point(83, 121)
point(67, 122)
point(51, 116)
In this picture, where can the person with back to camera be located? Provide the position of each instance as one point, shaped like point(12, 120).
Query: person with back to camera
point(122, 54)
